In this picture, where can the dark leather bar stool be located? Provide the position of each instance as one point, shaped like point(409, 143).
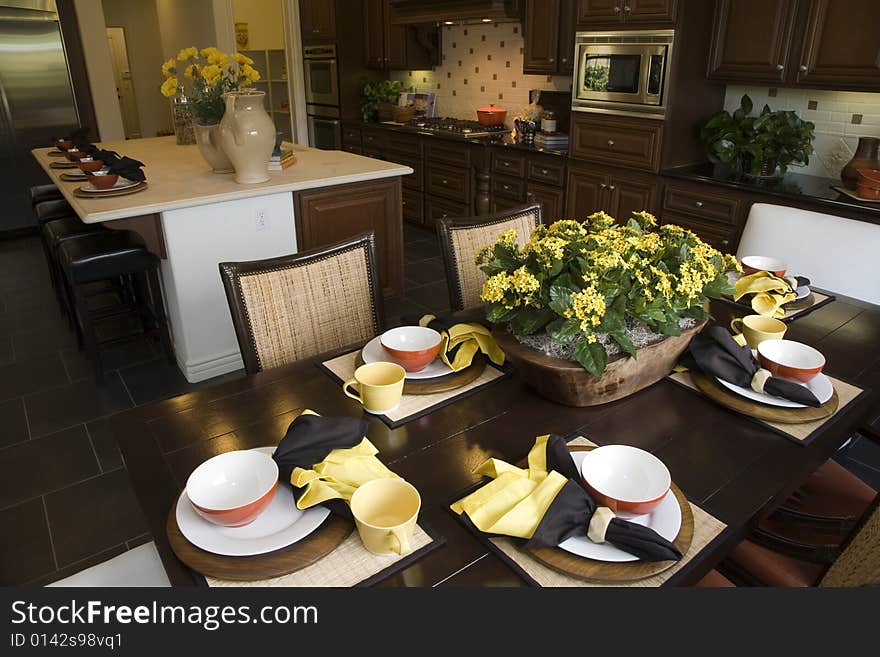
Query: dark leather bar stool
point(53, 234)
point(48, 192)
point(106, 256)
point(53, 209)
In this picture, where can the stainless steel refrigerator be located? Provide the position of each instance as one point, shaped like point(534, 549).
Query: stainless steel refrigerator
point(36, 100)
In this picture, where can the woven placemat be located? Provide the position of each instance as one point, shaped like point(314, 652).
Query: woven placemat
point(794, 309)
point(350, 564)
point(706, 529)
point(800, 433)
point(411, 407)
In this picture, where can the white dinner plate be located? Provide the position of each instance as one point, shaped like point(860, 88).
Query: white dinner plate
point(374, 352)
point(820, 386)
point(122, 183)
point(280, 525)
point(665, 519)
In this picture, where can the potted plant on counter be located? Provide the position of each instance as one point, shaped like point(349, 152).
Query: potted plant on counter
point(592, 312)
point(762, 146)
point(378, 99)
point(212, 74)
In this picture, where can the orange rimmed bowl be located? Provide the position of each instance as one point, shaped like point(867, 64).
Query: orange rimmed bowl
point(792, 360)
point(103, 180)
point(73, 154)
point(869, 184)
point(753, 264)
point(625, 479)
point(63, 144)
point(89, 165)
point(412, 347)
point(233, 488)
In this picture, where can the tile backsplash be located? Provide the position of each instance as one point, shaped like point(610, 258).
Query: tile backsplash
point(841, 117)
point(481, 64)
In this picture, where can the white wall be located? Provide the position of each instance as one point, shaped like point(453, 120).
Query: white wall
point(265, 22)
point(96, 52)
point(841, 117)
point(141, 24)
point(184, 24)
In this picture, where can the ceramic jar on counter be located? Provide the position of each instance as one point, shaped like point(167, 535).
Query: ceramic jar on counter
point(247, 136)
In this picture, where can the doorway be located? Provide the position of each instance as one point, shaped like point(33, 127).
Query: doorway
point(124, 85)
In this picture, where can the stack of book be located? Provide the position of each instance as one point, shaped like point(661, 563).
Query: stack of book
point(282, 161)
point(557, 141)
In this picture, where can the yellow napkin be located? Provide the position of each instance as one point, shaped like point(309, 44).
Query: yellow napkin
point(516, 500)
point(468, 337)
point(770, 293)
point(339, 475)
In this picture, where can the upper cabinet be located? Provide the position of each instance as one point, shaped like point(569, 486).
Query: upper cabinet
point(317, 20)
point(820, 43)
point(396, 47)
point(635, 12)
point(549, 32)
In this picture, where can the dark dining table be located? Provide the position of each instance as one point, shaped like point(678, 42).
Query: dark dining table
point(732, 466)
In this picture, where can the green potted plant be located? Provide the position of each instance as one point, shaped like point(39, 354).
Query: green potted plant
point(762, 146)
point(594, 311)
point(378, 98)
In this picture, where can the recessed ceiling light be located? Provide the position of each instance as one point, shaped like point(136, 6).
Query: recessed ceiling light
point(487, 20)
point(449, 22)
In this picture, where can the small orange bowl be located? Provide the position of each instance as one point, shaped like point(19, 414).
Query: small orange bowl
point(791, 360)
point(233, 488)
point(104, 181)
point(73, 154)
point(754, 264)
point(63, 144)
point(868, 192)
point(412, 347)
point(625, 479)
point(872, 176)
point(90, 166)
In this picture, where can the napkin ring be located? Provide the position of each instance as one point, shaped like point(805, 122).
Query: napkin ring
point(599, 524)
point(759, 379)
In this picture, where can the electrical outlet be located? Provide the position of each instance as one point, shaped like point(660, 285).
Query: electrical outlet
point(261, 218)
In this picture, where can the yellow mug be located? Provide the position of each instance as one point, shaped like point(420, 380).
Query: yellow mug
point(380, 386)
point(757, 328)
point(385, 512)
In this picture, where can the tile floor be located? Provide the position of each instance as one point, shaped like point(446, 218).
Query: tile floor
point(65, 502)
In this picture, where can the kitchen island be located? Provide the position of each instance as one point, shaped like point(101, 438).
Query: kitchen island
point(194, 219)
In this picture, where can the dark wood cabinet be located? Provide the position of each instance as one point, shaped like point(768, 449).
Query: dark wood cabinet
point(815, 43)
point(551, 200)
point(610, 12)
point(374, 31)
point(317, 20)
point(751, 40)
point(549, 33)
point(841, 47)
point(389, 46)
point(331, 214)
point(616, 191)
point(617, 140)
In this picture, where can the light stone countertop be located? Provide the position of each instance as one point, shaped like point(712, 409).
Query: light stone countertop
point(178, 177)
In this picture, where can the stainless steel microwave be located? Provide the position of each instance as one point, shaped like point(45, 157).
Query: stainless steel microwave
point(622, 72)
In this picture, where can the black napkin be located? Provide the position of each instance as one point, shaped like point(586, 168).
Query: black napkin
point(107, 157)
point(716, 353)
point(79, 137)
point(571, 511)
point(127, 168)
point(309, 439)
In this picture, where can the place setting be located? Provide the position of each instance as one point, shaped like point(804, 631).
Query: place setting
point(767, 287)
point(582, 515)
point(286, 516)
point(414, 369)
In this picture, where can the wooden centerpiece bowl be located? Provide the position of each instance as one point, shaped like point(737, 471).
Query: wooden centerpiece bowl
point(566, 382)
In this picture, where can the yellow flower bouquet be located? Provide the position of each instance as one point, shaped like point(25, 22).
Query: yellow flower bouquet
point(212, 73)
point(589, 288)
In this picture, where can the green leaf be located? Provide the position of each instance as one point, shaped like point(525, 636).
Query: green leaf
point(569, 329)
point(498, 314)
point(531, 321)
point(624, 342)
point(556, 269)
point(560, 299)
point(592, 357)
point(669, 326)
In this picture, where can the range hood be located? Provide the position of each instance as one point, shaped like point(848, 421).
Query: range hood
point(409, 12)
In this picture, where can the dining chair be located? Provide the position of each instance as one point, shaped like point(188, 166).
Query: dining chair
point(461, 239)
point(835, 253)
point(297, 306)
point(858, 563)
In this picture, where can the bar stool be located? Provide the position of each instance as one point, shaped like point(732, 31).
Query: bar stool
point(48, 192)
point(53, 234)
point(105, 256)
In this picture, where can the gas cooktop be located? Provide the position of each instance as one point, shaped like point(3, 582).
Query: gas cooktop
point(463, 128)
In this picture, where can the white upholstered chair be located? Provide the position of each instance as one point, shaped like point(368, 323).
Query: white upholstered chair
point(836, 254)
point(140, 567)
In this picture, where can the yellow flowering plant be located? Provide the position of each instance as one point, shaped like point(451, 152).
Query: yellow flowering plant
point(579, 281)
point(212, 73)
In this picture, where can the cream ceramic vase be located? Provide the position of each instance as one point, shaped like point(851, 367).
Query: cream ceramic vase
point(208, 140)
point(247, 136)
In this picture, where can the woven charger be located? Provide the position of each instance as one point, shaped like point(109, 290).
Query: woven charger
point(706, 528)
point(801, 431)
point(134, 189)
point(65, 164)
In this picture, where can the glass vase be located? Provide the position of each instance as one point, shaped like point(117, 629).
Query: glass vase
point(182, 118)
